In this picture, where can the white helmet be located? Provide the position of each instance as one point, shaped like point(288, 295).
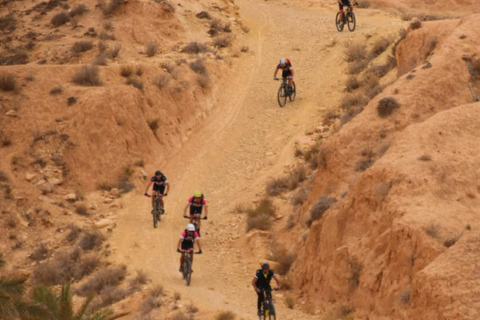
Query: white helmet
point(283, 62)
point(190, 227)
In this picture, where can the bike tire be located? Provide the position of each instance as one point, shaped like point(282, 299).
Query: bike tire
point(155, 216)
point(294, 92)
point(188, 271)
point(352, 22)
point(282, 96)
point(337, 22)
point(272, 313)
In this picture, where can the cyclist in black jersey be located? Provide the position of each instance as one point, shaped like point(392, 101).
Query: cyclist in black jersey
point(160, 183)
point(261, 282)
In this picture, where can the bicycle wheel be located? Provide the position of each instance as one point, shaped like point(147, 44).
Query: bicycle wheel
point(339, 22)
point(271, 314)
point(155, 215)
point(294, 92)
point(282, 96)
point(188, 271)
point(351, 21)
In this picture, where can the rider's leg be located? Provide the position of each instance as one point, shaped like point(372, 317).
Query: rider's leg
point(290, 83)
point(153, 197)
point(182, 258)
point(259, 301)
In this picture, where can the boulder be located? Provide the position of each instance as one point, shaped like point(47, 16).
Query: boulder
point(71, 197)
point(30, 176)
point(104, 223)
point(45, 187)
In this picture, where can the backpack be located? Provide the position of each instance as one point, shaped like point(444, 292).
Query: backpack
point(201, 199)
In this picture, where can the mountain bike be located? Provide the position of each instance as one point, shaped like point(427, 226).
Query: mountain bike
point(268, 308)
point(283, 92)
point(195, 218)
point(157, 209)
point(347, 17)
point(187, 265)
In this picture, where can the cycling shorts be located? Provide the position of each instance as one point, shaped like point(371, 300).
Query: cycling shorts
point(344, 3)
point(195, 210)
point(287, 73)
point(186, 245)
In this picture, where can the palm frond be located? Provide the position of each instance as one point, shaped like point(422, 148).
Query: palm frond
point(103, 314)
point(7, 309)
point(65, 311)
point(13, 286)
point(118, 316)
point(80, 313)
point(46, 297)
point(30, 310)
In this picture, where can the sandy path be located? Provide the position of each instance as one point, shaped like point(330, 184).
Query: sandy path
point(247, 139)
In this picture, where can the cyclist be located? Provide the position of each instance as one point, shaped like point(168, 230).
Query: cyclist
point(196, 203)
point(160, 182)
point(287, 73)
point(261, 282)
point(187, 240)
point(341, 4)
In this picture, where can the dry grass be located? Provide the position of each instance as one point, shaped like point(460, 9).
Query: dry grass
point(203, 15)
point(204, 81)
point(5, 142)
point(78, 10)
point(177, 296)
point(106, 36)
point(405, 296)
point(40, 253)
point(386, 106)
point(244, 49)
point(364, 164)
point(169, 66)
point(140, 279)
point(110, 7)
point(417, 24)
point(162, 81)
point(289, 182)
point(113, 52)
point(475, 69)
point(11, 222)
point(300, 197)
point(60, 19)
point(289, 302)
point(8, 23)
point(137, 83)
point(320, 207)
point(74, 233)
point(241, 207)
point(191, 308)
point(149, 304)
point(259, 217)
point(432, 230)
point(167, 5)
point(198, 66)
point(154, 124)
point(284, 260)
point(352, 84)
point(355, 272)
point(355, 52)
point(139, 163)
point(223, 41)
point(195, 48)
point(100, 60)
point(225, 315)
point(81, 46)
point(379, 47)
point(157, 291)
point(56, 90)
point(8, 82)
point(87, 76)
point(111, 276)
point(91, 240)
point(127, 70)
point(451, 241)
point(151, 48)
point(179, 315)
point(357, 67)
point(18, 57)
point(109, 295)
point(352, 101)
point(108, 25)
point(430, 45)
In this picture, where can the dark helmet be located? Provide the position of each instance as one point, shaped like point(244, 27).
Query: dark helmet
point(158, 173)
point(265, 266)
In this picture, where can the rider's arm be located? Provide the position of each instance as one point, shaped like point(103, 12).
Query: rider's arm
point(168, 187)
point(206, 211)
point(179, 245)
point(254, 284)
point(198, 244)
point(148, 186)
point(276, 71)
point(185, 210)
point(293, 71)
point(278, 281)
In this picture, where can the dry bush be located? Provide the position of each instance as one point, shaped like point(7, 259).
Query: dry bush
point(259, 217)
point(102, 46)
point(191, 308)
point(149, 304)
point(319, 208)
point(352, 84)
point(427, 65)
point(355, 272)
point(290, 222)
point(167, 5)
point(111, 276)
point(8, 82)
point(113, 52)
point(227, 27)
point(5, 142)
point(82, 210)
point(405, 296)
point(475, 69)
point(223, 41)
point(109, 7)
point(355, 52)
point(379, 47)
point(106, 185)
point(168, 66)
point(154, 124)
point(284, 260)
point(300, 197)
point(381, 70)
point(204, 81)
point(151, 48)
point(432, 230)
point(140, 278)
point(109, 295)
point(18, 57)
point(126, 70)
point(137, 83)
point(106, 36)
point(417, 24)
point(40, 253)
point(12, 222)
point(352, 101)
point(357, 67)
point(8, 23)
point(277, 185)
point(139, 71)
point(198, 66)
point(87, 76)
point(431, 44)
point(108, 25)
point(162, 81)
point(177, 296)
point(425, 157)
point(74, 233)
point(216, 24)
point(364, 164)
point(179, 315)
point(451, 241)
point(60, 19)
point(139, 163)
point(91, 240)
point(260, 222)
point(157, 291)
point(56, 90)
point(100, 60)
point(225, 315)
point(372, 87)
point(203, 15)
point(81, 46)
point(78, 10)
point(195, 48)
point(245, 49)
point(289, 302)
point(288, 182)
point(386, 106)
point(86, 265)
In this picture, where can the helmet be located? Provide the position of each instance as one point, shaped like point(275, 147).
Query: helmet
point(190, 227)
point(158, 173)
point(283, 62)
point(197, 194)
point(265, 266)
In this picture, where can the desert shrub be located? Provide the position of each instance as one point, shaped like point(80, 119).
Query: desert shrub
point(154, 124)
point(78, 10)
point(82, 210)
point(167, 5)
point(139, 279)
point(126, 70)
point(149, 304)
point(259, 217)
point(177, 296)
point(300, 197)
point(241, 207)
point(195, 48)
point(137, 83)
point(379, 47)
point(225, 315)
point(357, 67)
point(319, 208)
point(139, 71)
point(100, 60)
point(5, 142)
point(203, 15)
point(113, 52)
point(151, 48)
point(106, 36)
point(109, 295)
point(157, 291)
point(56, 90)
point(162, 81)
point(216, 24)
point(179, 315)
point(109, 7)
point(364, 164)
point(288, 182)
point(355, 52)
point(386, 106)
point(451, 241)
point(8, 82)
point(352, 101)
point(60, 19)
point(223, 41)
point(427, 65)
point(417, 24)
point(91, 240)
point(352, 84)
point(284, 260)
point(405, 296)
point(74, 233)
point(245, 49)
point(86, 265)
point(40, 253)
point(277, 185)
point(102, 46)
point(8, 23)
point(430, 45)
point(265, 206)
point(198, 66)
point(289, 302)
point(355, 272)
point(372, 87)
point(81, 46)
point(381, 70)
point(364, 4)
point(204, 81)
point(87, 76)
point(425, 157)
point(18, 57)
point(260, 222)
point(227, 27)
point(11, 222)
point(191, 308)
point(168, 66)
point(110, 276)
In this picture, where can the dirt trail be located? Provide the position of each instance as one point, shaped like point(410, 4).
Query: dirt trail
point(247, 139)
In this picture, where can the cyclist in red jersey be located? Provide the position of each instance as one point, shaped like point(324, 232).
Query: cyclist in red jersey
point(287, 72)
point(196, 203)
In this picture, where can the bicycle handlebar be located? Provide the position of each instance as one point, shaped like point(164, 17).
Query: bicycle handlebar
point(195, 218)
point(185, 251)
